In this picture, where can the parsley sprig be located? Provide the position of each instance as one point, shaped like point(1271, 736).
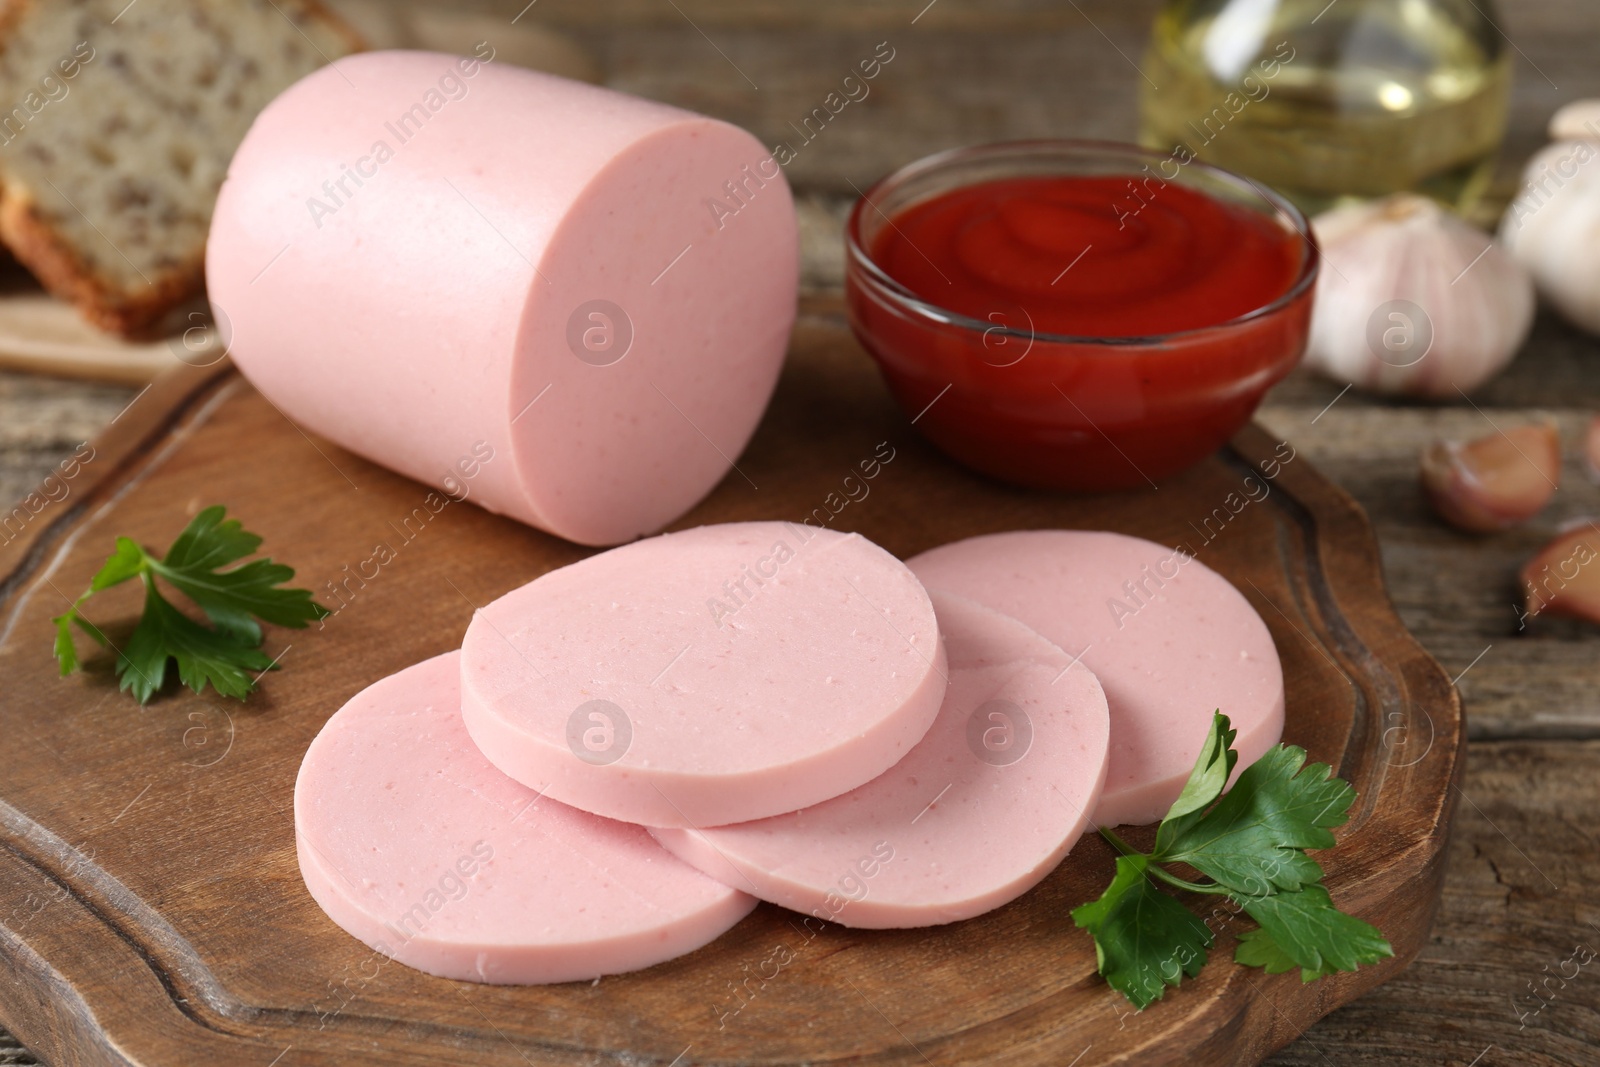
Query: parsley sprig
point(1250, 845)
point(226, 655)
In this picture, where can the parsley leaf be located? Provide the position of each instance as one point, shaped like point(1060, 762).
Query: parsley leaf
point(1251, 843)
point(203, 656)
point(1306, 928)
point(1256, 948)
point(1144, 940)
point(228, 657)
point(1206, 783)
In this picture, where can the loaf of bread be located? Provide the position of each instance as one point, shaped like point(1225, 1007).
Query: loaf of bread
point(117, 123)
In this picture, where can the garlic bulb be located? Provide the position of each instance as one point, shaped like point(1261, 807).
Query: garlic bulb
point(1412, 300)
point(1577, 121)
point(1553, 226)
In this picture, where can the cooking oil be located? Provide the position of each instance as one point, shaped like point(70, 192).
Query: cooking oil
point(1329, 101)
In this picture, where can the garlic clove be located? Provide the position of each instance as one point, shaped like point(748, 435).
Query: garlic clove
point(1553, 226)
point(1591, 450)
point(1577, 121)
point(1564, 577)
point(1414, 301)
point(1495, 481)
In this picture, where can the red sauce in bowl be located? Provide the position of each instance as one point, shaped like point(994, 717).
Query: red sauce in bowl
point(1086, 331)
point(1085, 258)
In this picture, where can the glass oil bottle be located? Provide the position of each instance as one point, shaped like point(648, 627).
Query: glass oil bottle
point(1329, 101)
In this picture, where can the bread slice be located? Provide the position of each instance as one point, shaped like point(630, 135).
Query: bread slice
point(117, 123)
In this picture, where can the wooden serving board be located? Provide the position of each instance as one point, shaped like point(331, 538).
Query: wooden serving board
point(151, 910)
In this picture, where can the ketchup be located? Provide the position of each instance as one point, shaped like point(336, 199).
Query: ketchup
point(1120, 328)
point(1090, 256)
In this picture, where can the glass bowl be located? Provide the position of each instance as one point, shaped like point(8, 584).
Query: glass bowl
point(1062, 412)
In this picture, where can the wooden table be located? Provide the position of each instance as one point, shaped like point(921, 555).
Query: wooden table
point(1517, 900)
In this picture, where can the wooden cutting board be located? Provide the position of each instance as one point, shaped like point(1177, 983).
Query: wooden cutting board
point(151, 911)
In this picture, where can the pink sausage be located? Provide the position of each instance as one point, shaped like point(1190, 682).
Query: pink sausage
point(714, 675)
point(512, 287)
point(1170, 640)
point(410, 841)
point(979, 812)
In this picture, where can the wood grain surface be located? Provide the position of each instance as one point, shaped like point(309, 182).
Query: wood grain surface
point(1518, 895)
point(178, 929)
